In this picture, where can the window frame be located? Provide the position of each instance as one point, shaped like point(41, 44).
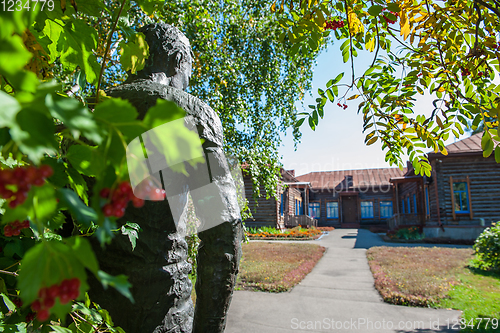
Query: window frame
point(361, 209)
point(408, 203)
point(415, 203)
point(382, 204)
point(282, 204)
point(454, 212)
point(427, 204)
point(319, 209)
point(337, 210)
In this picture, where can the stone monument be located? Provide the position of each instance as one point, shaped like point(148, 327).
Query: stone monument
point(158, 268)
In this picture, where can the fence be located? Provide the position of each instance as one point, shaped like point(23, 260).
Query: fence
point(302, 220)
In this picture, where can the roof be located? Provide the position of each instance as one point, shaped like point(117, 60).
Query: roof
point(471, 144)
point(360, 178)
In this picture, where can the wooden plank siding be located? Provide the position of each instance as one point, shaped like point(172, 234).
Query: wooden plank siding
point(265, 211)
point(484, 190)
point(374, 195)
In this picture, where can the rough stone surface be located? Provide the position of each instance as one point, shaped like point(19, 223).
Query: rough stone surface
point(158, 267)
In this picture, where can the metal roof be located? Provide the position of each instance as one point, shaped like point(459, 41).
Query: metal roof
point(360, 178)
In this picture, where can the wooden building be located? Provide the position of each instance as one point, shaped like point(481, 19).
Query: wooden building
point(460, 198)
point(288, 210)
point(351, 198)
point(458, 201)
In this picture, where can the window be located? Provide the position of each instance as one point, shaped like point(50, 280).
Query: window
point(282, 205)
point(461, 197)
point(408, 205)
point(332, 210)
point(297, 207)
point(414, 204)
point(402, 206)
point(427, 201)
point(385, 209)
point(314, 209)
point(366, 209)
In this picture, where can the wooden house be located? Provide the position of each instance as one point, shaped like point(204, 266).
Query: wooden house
point(460, 198)
point(351, 198)
point(288, 210)
point(458, 201)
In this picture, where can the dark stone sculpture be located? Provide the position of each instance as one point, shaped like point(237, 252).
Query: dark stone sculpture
point(157, 267)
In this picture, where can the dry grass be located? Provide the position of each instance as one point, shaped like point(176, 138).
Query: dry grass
point(416, 276)
point(276, 267)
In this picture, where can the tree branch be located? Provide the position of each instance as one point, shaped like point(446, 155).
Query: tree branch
point(108, 46)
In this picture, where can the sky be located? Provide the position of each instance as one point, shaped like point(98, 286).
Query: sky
point(338, 142)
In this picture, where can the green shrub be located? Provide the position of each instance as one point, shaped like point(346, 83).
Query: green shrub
point(487, 247)
point(411, 233)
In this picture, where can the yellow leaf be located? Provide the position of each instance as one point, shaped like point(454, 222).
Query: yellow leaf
point(353, 97)
point(273, 7)
point(355, 25)
point(444, 151)
point(405, 29)
point(441, 89)
point(370, 45)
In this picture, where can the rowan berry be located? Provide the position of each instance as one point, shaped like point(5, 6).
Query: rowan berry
point(43, 315)
point(36, 306)
point(104, 193)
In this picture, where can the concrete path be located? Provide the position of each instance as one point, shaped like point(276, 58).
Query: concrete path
point(338, 295)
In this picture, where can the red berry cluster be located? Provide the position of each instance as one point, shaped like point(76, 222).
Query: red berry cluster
point(334, 24)
point(344, 106)
point(120, 198)
point(68, 290)
point(465, 72)
point(22, 178)
point(14, 228)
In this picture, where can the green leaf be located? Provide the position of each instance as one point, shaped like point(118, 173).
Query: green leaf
point(74, 44)
point(132, 231)
point(13, 55)
point(393, 7)
point(60, 329)
point(35, 134)
point(162, 113)
point(338, 78)
point(330, 95)
point(8, 303)
point(74, 116)
point(78, 184)
point(118, 282)
point(299, 122)
point(44, 202)
point(150, 6)
point(497, 154)
point(80, 211)
point(48, 263)
point(86, 160)
point(375, 10)
point(10, 108)
point(133, 53)
point(83, 251)
point(59, 178)
point(115, 110)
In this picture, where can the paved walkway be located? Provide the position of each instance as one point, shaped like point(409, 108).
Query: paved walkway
point(338, 295)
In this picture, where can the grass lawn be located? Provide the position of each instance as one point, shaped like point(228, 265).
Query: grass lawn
point(276, 267)
point(438, 277)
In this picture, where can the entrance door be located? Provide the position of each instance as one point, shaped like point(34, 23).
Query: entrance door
point(350, 211)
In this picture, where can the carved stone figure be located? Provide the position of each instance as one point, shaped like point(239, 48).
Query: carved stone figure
point(157, 267)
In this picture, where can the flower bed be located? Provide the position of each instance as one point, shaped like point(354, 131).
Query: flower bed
point(297, 233)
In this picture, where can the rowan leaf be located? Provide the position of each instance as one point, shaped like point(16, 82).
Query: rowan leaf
point(133, 53)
